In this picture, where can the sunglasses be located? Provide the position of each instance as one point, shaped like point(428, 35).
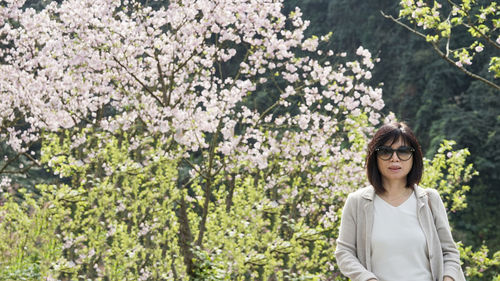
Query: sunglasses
point(404, 153)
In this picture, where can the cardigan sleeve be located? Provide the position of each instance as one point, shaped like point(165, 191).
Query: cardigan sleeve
point(345, 252)
point(451, 255)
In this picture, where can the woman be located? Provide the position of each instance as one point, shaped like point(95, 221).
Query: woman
point(394, 230)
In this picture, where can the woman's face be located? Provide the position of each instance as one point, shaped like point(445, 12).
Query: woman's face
point(394, 169)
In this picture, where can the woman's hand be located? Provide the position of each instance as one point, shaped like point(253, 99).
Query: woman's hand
point(448, 278)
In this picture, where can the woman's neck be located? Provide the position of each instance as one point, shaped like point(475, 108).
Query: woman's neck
point(395, 193)
point(394, 187)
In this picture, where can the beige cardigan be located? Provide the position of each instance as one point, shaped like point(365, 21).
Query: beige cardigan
point(353, 244)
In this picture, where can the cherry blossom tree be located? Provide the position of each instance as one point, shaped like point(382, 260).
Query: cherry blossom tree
point(135, 104)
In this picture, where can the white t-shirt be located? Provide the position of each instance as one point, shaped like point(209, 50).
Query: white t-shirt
point(398, 245)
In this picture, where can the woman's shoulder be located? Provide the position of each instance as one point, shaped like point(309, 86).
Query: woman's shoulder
point(430, 193)
point(426, 190)
point(366, 192)
point(355, 200)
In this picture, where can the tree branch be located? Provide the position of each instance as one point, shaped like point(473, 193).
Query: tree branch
point(443, 55)
point(2, 170)
point(475, 76)
point(471, 25)
point(230, 192)
point(185, 237)
point(166, 99)
point(208, 186)
point(140, 82)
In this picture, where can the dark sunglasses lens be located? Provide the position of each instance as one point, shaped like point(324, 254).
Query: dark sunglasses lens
point(404, 153)
point(384, 153)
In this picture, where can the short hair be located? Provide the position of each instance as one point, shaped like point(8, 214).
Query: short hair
point(391, 133)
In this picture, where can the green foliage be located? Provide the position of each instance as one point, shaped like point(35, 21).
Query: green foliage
point(28, 271)
point(449, 173)
point(119, 217)
point(28, 244)
point(208, 266)
point(479, 265)
point(121, 213)
point(123, 223)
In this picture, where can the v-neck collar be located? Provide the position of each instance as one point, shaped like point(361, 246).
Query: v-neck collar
point(403, 203)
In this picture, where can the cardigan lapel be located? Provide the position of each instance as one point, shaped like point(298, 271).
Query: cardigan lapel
point(426, 222)
point(368, 196)
point(421, 195)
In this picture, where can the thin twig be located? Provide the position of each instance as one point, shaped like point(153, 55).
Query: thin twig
point(2, 170)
